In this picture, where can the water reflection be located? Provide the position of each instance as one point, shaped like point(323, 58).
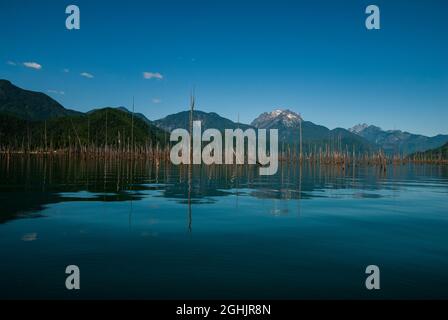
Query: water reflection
point(146, 230)
point(29, 183)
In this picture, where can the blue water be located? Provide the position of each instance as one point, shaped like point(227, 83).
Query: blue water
point(137, 230)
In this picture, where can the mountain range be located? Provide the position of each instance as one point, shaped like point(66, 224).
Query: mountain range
point(437, 153)
point(397, 141)
point(209, 120)
point(25, 115)
point(314, 136)
point(30, 120)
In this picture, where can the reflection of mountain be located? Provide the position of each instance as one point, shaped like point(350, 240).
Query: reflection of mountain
point(29, 184)
point(397, 141)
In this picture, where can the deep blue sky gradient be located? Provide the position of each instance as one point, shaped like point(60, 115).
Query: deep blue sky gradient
point(243, 57)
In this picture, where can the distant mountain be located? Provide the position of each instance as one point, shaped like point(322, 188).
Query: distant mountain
point(85, 129)
point(313, 136)
point(141, 116)
point(30, 105)
point(277, 118)
point(359, 128)
point(209, 120)
point(397, 141)
point(22, 115)
point(437, 153)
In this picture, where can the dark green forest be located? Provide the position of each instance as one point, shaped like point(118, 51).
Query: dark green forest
point(108, 127)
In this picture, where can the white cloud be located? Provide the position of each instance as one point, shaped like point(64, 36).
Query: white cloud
point(87, 75)
point(11, 63)
point(32, 65)
point(56, 92)
point(152, 75)
point(156, 100)
point(66, 70)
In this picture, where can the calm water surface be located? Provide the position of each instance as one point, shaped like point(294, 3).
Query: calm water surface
point(137, 230)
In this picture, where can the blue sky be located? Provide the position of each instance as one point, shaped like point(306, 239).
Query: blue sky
point(243, 57)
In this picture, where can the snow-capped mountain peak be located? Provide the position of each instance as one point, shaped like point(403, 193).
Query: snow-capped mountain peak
point(359, 128)
point(277, 117)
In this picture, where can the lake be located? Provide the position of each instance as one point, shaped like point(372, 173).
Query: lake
point(140, 230)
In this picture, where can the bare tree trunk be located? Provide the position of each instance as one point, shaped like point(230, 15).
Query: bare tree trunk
point(132, 126)
point(301, 150)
